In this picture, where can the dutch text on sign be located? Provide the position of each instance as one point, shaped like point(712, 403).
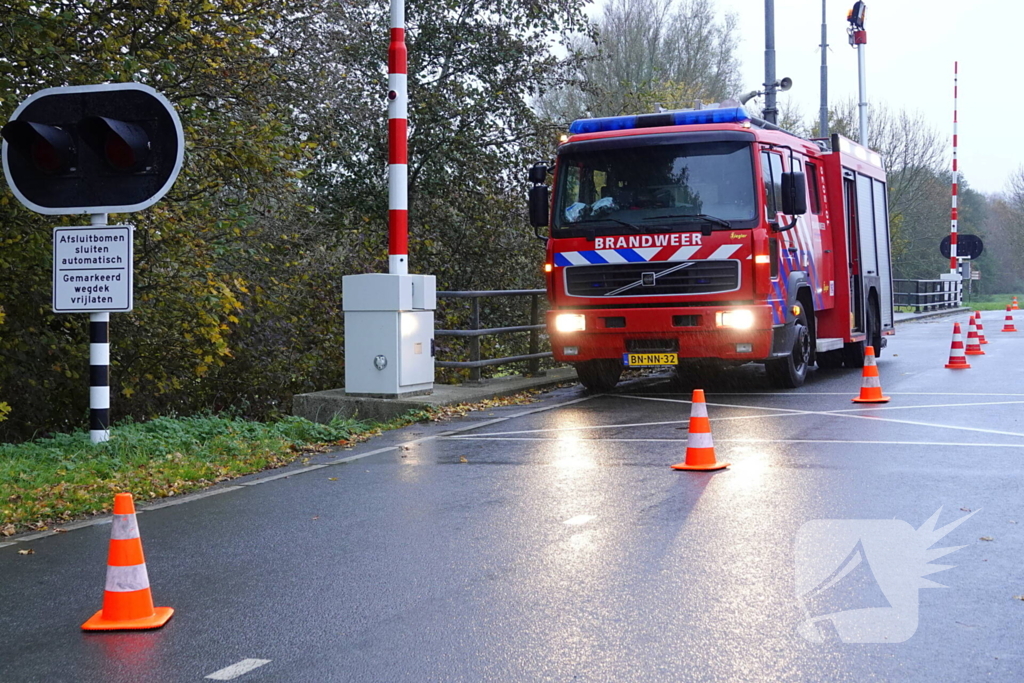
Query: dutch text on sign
point(92, 269)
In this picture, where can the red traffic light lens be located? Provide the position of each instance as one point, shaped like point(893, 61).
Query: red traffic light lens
point(118, 153)
point(45, 157)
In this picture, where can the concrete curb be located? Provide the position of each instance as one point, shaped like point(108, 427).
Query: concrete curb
point(322, 406)
point(932, 314)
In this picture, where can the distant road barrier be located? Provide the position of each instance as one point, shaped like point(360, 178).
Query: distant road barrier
point(926, 295)
point(475, 332)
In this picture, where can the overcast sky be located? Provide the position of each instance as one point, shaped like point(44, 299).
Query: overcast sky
point(911, 48)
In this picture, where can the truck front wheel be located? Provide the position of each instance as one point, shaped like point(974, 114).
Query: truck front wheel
point(791, 371)
point(601, 374)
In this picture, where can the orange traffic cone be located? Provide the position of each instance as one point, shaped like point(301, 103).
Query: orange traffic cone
point(700, 449)
point(1008, 325)
point(957, 359)
point(1014, 304)
point(973, 342)
point(870, 386)
point(981, 327)
point(127, 602)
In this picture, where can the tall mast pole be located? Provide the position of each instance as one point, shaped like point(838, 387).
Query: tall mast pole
point(859, 39)
point(770, 110)
point(398, 155)
point(823, 115)
point(953, 269)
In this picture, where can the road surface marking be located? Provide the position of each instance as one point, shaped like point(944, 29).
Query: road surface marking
point(237, 669)
point(750, 441)
point(841, 413)
point(264, 480)
point(145, 507)
point(685, 420)
point(579, 520)
point(937, 405)
point(818, 393)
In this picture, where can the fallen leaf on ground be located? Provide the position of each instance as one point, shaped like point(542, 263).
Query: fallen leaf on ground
point(1018, 597)
point(317, 517)
point(29, 551)
point(332, 479)
point(7, 530)
point(966, 509)
point(462, 458)
point(986, 538)
point(60, 531)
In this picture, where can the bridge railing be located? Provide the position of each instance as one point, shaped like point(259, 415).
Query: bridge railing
point(926, 295)
point(475, 332)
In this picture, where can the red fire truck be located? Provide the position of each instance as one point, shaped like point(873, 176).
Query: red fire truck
point(707, 237)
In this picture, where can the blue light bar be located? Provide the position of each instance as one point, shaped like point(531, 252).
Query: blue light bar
point(669, 118)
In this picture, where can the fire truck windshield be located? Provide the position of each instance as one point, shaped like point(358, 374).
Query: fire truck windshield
point(658, 186)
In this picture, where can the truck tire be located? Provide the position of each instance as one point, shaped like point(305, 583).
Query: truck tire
point(791, 371)
point(599, 375)
point(875, 319)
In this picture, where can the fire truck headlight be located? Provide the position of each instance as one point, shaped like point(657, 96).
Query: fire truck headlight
point(570, 322)
point(739, 318)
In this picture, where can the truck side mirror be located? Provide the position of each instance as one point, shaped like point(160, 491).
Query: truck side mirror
point(539, 206)
point(794, 194)
point(538, 173)
point(538, 197)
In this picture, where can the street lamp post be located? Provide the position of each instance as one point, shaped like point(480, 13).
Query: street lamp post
point(858, 39)
point(823, 115)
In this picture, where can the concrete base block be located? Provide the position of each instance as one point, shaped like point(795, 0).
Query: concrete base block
point(323, 406)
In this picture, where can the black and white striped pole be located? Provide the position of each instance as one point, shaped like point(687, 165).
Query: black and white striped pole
point(99, 367)
point(99, 377)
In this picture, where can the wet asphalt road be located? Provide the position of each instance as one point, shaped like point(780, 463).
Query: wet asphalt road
point(566, 549)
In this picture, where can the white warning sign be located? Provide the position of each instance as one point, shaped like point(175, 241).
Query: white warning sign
point(92, 269)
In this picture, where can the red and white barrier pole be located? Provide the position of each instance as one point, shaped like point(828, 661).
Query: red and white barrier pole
point(398, 156)
point(953, 266)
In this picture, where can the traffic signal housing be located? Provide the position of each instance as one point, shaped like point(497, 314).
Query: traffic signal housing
point(110, 148)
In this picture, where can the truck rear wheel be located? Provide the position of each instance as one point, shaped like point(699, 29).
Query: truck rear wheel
point(601, 374)
point(791, 371)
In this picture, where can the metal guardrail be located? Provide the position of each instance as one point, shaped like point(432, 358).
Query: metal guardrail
point(927, 295)
point(475, 332)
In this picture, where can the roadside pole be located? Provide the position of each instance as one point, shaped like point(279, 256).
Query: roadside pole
point(99, 366)
point(858, 39)
point(954, 273)
point(389, 317)
point(823, 113)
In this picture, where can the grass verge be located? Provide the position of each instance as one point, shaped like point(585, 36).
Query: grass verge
point(49, 481)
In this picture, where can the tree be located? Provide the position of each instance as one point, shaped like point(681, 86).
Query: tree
point(196, 249)
point(643, 53)
point(284, 189)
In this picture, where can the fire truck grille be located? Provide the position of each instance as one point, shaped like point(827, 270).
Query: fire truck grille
point(653, 278)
